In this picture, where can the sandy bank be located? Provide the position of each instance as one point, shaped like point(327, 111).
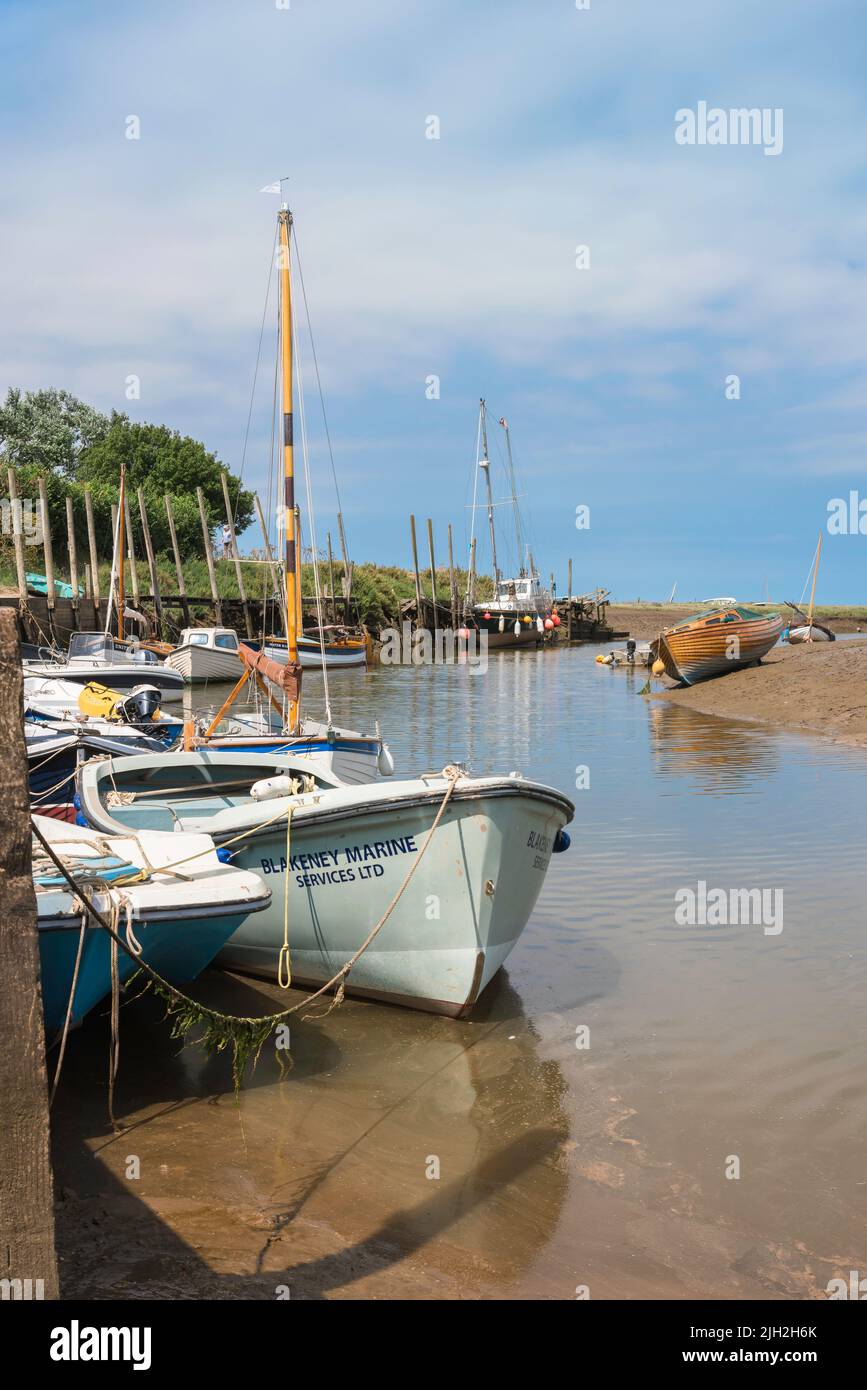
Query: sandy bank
point(644, 621)
point(821, 688)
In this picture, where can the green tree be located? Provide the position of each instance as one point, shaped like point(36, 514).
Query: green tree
point(48, 430)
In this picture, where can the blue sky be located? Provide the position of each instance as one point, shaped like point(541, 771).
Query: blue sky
point(456, 257)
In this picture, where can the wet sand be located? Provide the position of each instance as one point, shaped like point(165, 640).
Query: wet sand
point(820, 687)
point(644, 621)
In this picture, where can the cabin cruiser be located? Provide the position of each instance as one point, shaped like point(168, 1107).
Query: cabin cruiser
point(95, 656)
point(207, 654)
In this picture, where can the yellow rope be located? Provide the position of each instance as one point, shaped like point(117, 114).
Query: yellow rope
point(285, 955)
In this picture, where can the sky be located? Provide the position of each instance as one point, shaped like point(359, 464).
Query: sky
point(457, 258)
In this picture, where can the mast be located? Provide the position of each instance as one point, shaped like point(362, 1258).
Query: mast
point(813, 589)
point(120, 523)
point(485, 463)
point(284, 219)
point(515, 508)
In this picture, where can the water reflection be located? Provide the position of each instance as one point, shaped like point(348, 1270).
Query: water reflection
point(717, 755)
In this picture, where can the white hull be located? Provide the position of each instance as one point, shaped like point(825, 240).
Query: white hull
point(198, 664)
point(310, 655)
point(122, 676)
point(808, 634)
point(455, 924)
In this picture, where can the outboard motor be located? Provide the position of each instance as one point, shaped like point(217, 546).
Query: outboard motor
point(140, 706)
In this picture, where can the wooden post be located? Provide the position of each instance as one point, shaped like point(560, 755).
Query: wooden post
point(73, 556)
point(152, 564)
point(91, 541)
point(453, 587)
point(27, 1257)
point(209, 556)
point(569, 609)
point(182, 589)
point(279, 589)
point(88, 593)
point(419, 616)
point(331, 581)
point(130, 550)
point(18, 537)
point(46, 541)
point(235, 556)
point(471, 577)
point(347, 567)
point(433, 573)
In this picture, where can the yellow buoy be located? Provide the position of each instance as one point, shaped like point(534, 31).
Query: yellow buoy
point(658, 667)
point(600, 660)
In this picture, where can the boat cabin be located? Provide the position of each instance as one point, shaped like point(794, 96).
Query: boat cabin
point(98, 649)
point(221, 639)
point(522, 595)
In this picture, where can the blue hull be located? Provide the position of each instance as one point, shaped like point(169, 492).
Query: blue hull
point(178, 948)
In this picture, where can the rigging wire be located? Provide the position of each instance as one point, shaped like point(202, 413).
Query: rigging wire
point(271, 261)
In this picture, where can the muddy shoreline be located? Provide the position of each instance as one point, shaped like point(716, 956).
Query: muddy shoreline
point(820, 688)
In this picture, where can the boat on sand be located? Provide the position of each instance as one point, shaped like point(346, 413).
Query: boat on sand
point(711, 643)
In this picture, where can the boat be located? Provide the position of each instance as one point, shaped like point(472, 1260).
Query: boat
point(174, 901)
point(712, 642)
point(55, 748)
point(206, 654)
point(806, 628)
point(97, 656)
point(520, 613)
point(339, 648)
point(336, 857)
point(353, 758)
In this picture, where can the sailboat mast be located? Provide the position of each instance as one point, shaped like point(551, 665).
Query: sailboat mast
point(813, 589)
point(520, 551)
point(284, 218)
point(120, 544)
point(485, 464)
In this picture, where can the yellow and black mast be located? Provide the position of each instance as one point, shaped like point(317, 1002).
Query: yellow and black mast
point(291, 557)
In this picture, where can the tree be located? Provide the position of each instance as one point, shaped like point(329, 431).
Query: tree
point(71, 445)
point(48, 430)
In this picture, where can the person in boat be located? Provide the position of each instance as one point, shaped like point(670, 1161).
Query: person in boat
point(630, 649)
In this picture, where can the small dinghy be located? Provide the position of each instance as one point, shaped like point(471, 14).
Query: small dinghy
point(173, 900)
point(340, 859)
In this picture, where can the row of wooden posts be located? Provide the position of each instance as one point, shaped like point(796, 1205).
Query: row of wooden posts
point(183, 599)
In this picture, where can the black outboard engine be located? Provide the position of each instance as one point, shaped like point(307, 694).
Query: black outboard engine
point(140, 705)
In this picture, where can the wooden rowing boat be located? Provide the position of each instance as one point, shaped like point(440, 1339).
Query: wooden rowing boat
point(719, 640)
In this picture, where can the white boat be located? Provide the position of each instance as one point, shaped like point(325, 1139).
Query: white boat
point(353, 758)
point(349, 651)
point(810, 632)
point(96, 656)
point(349, 851)
point(181, 907)
point(207, 654)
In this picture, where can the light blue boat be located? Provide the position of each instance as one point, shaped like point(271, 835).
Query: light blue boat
point(178, 918)
point(464, 898)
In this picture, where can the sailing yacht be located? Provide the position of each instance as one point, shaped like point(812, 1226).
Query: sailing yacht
point(520, 613)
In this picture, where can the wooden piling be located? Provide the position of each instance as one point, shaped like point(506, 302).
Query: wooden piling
point(419, 616)
point(347, 567)
point(235, 556)
point(331, 581)
point(28, 1260)
point(91, 541)
point(276, 586)
point(209, 556)
point(73, 557)
point(453, 587)
point(433, 574)
point(569, 600)
point(48, 548)
point(152, 564)
point(18, 537)
point(182, 588)
point(130, 550)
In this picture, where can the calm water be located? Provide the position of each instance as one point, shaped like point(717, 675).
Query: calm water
point(602, 1166)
